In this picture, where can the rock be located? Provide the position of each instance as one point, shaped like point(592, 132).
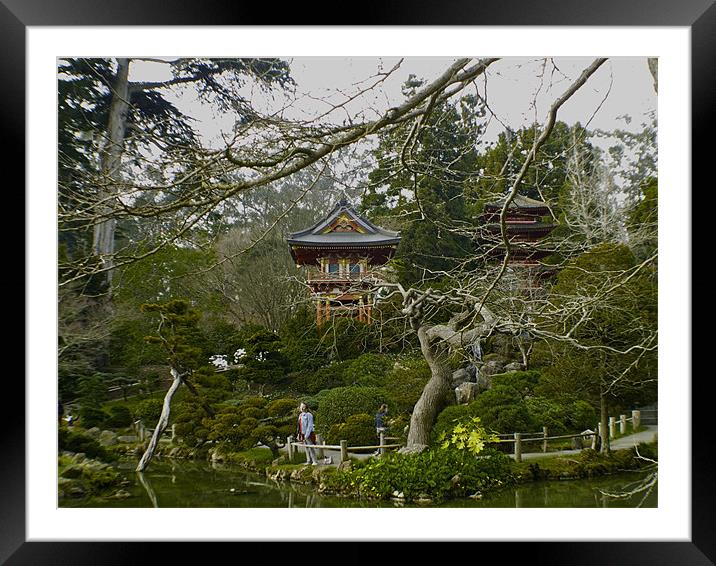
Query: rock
point(466, 392)
point(127, 438)
point(514, 366)
point(107, 438)
point(483, 381)
point(460, 376)
point(398, 495)
point(121, 494)
point(94, 432)
point(72, 472)
point(476, 495)
point(492, 367)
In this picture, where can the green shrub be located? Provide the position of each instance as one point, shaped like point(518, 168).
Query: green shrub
point(258, 402)
point(501, 409)
point(581, 416)
point(522, 381)
point(437, 473)
point(119, 416)
point(368, 370)
point(447, 418)
point(358, 430)
point(336, 405)
point(327, 377)
point(77, 442)
point(253, 412)
point(149, 410)
point(285, 407)
point(405, 383)
point(91, 416)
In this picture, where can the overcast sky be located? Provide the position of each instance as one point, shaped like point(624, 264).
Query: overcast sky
point(518, 90)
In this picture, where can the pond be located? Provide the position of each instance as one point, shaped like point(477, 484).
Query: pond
point(186, 483)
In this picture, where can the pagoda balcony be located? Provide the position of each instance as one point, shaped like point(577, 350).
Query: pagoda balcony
point(322, 277)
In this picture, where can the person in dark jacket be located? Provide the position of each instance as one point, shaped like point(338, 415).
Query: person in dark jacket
point(380, 422)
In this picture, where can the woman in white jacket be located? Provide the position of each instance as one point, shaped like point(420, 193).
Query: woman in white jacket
point(307, 433)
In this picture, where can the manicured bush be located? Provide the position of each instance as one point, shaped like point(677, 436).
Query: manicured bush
point(404, 384)
point(91, 416)
point(358, 430)
point(119, 417)
point(501, 409)
point(369, 370)
point(336, 405)
point(285, 407)
point(149, 410)
point(73, 441)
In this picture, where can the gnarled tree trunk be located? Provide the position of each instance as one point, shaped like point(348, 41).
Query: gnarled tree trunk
point(435, 394)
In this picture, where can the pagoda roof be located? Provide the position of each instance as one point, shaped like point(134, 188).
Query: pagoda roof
point(343, 227)
point(520, 202)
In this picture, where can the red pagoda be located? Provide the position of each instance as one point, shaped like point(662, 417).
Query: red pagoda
point(341, 252)
point(527, 221)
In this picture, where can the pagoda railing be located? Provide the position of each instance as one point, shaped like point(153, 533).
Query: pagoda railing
point(320, 276)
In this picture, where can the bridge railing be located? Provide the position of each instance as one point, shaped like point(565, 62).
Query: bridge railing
point(342, 447)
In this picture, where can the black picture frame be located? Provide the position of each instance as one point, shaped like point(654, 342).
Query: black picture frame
point(698, 15)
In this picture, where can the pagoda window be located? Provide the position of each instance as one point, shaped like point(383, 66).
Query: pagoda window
point(333, 268)
point(355, 268)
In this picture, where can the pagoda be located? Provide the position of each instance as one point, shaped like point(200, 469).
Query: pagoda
point(527, 221)
point(341, 252)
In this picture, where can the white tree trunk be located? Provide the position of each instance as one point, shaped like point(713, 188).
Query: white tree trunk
point(110, 162)
point(163, 421)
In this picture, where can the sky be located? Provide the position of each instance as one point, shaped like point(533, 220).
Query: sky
point(518, 90)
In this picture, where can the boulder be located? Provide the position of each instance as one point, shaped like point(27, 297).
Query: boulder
point(492, 367)
point(460, 376)
point(466, 392)
point(514, 366)
point(107, 438)
point(483, 382)
point(94, 432)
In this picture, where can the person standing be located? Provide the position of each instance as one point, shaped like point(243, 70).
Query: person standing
point(307, 433)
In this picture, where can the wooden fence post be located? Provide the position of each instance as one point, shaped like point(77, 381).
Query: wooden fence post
point(289, 445)
point(141, 431)
point(612, 427)
point(518, 446)
point(381, 442)
point(174, 432)
point(344, 451)
point(544, 442)
point(622, 424)
point(319, 451)
point(635, 419)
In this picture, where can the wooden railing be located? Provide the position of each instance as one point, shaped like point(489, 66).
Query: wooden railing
point(518, 438)
point(343, 447)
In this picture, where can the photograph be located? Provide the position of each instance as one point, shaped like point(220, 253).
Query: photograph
point(357, 283)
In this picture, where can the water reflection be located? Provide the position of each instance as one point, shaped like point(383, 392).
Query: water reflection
point(202, 484)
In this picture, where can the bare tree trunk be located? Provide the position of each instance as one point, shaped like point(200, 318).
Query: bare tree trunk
point(163, 421)
point(653, 63)
point(433, 398)
point(111, 159)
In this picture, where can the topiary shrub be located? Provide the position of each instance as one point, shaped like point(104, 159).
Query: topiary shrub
point(502, 409)
point(358, 430)
point(404, 384)
point(336, 405)
point(72, 441)
point(368, 370)
point(448, 417)
point(285, 407)
point(119, 417)
point(149, 410)
point(91, 416)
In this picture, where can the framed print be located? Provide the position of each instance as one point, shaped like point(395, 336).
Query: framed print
point(670, 48)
